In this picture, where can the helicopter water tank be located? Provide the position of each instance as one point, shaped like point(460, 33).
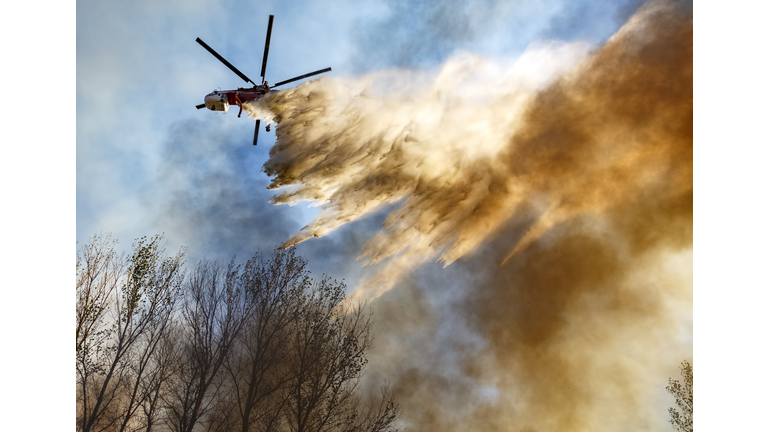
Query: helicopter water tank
point(217, 102)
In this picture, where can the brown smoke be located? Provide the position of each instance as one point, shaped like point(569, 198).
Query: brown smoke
point(429, 143)
point(571, 207)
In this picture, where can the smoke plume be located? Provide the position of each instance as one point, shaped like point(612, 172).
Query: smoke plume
point(561, 183)
point(402, 137)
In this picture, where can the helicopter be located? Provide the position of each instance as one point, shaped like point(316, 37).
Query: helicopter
point(220, 100)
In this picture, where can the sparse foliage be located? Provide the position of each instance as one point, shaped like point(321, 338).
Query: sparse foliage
point(253, 347)
point(116, 359)
point(257, 370)
point(217, 306)
point(328, 342)
point(683, 392)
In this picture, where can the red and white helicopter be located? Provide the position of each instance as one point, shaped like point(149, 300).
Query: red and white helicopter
point(220, 100)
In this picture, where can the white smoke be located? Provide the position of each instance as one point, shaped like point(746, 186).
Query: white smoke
point(424, 139)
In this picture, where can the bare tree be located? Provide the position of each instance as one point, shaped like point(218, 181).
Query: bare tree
point(113, 360)
point(297, 364)
point(257, 347)
point(378, 414)
point(98, 274)
point(328, 344)
point(214, 313)
point(166, 358)
point(256, 370)
point(683, 392)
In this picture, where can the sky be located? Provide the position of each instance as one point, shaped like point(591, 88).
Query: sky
point(530, 162)
point(458, 342)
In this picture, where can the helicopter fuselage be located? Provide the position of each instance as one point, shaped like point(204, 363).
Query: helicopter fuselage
point(220, 100)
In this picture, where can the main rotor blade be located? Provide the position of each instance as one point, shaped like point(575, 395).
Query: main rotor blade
point(266, 48)
point(301, 77)
point(200, 106)
point(221, 59)
point(256, 132)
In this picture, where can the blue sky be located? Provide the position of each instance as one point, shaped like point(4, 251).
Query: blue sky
point(148, 162)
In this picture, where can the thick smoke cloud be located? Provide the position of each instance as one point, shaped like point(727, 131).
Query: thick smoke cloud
point(565, 193)
point(461, 158)
point(395, 136)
